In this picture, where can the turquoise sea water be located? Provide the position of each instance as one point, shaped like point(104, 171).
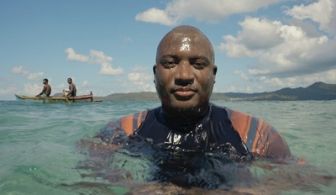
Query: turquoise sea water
point(39, 151)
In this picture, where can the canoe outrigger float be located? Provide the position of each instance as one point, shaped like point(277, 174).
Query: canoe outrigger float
point(81, 98)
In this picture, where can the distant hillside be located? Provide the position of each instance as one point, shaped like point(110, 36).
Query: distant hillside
point(316, 91)
point(132, 96)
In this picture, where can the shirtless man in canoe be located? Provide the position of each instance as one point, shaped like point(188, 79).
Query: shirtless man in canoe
point(46, 91)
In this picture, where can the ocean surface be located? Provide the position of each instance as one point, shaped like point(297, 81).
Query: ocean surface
point(41, 150)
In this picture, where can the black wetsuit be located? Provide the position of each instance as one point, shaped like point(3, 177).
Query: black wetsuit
point(193, 154)
point(211, 133)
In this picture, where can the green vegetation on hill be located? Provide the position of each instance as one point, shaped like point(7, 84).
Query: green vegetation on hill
point(316, 91)
point(132, 96)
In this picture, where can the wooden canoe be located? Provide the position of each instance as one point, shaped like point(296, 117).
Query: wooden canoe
point(81, 98)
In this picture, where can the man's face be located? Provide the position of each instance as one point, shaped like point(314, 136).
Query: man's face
point(69, 81)
point(184, 71)
point(44, 82)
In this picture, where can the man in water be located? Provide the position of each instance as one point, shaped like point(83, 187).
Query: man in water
point(187, 124)
point(46, 91)
point(72, 88)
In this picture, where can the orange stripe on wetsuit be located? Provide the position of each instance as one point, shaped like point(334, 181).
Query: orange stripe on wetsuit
point(132, 122)
point(247, 127)
point(259, 137)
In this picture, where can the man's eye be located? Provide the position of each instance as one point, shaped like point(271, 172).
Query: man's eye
point(199, 64)
point(168, 63)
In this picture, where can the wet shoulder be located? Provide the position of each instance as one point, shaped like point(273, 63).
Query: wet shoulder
point(259, 136)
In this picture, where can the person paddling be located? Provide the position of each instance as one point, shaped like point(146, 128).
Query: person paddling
point(72, 89)
point(46, 91)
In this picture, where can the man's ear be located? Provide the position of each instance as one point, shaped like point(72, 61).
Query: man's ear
point(154, 69)
point(215, 70)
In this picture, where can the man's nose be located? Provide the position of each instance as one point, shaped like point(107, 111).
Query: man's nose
point(184, 74)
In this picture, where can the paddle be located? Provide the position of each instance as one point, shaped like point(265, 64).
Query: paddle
point(66, 96)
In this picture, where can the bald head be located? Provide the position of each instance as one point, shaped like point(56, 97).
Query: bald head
point(186, 38)
point(184, 72)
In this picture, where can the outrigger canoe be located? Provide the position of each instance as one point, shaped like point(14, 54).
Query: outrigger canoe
point(81, 98)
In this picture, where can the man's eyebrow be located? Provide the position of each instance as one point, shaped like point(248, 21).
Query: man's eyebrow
point(193, 58)
point(200, 58)
point(169, 56)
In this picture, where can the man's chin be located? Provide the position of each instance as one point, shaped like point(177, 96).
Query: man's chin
point(184, 107)
point(187, 109)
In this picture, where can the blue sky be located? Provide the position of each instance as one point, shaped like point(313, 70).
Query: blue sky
point(109, 46)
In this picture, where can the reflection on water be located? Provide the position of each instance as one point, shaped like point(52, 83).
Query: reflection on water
point(141, 168)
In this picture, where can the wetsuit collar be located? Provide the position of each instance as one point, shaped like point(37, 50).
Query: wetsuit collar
point(184, 123)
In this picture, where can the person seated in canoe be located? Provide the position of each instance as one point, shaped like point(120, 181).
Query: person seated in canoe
point(46, 91)
point(72, 89)
point(187, 123)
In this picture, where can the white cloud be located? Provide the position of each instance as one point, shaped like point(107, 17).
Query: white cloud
point(107, 69)
point(281, 50)
point(154, 15)
point(265, 33)
point(141, 79)
point(323, 12)
point(95, 57)
point(32, 88)
point(35, 76)
point(256, 34)
point(99, 57)
point(232, 47)
point(73, 56)
point(19, 70)
point(203, 10)
point(241, 74)
point(134, 76)
point(239, 87)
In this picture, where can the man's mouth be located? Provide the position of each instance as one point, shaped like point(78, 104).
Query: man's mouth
point(183, 92)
